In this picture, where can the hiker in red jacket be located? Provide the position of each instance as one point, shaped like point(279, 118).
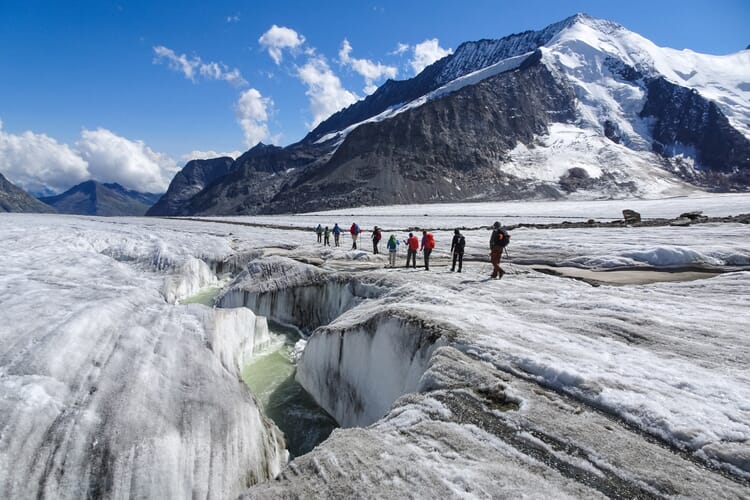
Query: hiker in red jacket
point(412, 245)
point(428, 243)
point(376, 236)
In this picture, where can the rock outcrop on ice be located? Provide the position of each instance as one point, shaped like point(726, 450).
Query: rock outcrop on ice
point(583, 109)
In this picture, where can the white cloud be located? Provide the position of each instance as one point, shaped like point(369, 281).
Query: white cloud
point(112, 158)
point(278, 38)
point(205, 155)
point(370, 71)
point(426, 53)
point(194, 66)
point(39, 164)
point(233, 19)
point(324, 88)
point(252, 115)
point(401, 48)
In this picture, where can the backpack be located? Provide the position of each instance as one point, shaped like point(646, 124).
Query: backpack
point(355, 229)
point(503, 238)
point(460, 243)
point(377, 235)
point(430, 241)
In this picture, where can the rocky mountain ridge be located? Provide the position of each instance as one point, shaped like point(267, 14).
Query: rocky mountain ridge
point(583, 108)
point(95, 198)
point(15, 199)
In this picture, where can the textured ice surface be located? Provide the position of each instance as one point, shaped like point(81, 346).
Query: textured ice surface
point(108, 390)
point(534, 385)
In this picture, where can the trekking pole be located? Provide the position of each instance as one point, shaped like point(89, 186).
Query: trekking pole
point(507, 256)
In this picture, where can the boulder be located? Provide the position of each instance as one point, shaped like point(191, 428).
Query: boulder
point(631, 216)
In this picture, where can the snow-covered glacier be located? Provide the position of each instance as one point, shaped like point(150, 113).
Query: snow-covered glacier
point(107, 389)
point(443, 384)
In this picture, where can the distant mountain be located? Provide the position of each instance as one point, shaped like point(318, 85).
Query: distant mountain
point(581, 109)
point(94, 198)
point(15, 199)
point(192, 179)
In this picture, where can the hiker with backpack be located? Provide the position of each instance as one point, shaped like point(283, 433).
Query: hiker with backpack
point(428, 243)
point(336, 234)
point(327, 237)
point(376, 235)
point(457, 249)
point(412, 244)
point(319, 232)
point(498, 241)
point(392, 246)
point(354, 231)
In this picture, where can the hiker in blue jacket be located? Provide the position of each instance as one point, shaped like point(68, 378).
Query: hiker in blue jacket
point(336, 234)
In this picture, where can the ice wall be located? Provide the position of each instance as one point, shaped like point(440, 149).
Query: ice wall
point(107, 390)
point(294, 293)
point(357, 370)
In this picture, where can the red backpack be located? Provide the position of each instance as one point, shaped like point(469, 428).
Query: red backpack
point(429, 241)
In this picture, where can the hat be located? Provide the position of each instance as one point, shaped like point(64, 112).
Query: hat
point(496, 225)
point(456, 231)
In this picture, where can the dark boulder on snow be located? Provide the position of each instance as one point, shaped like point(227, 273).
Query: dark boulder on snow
point(631, 216)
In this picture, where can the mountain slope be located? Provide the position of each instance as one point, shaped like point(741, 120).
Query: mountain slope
point(15, 199)
point(196, 175)
point(94, 198)
point(583, 109)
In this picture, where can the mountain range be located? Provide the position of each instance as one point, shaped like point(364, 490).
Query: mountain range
point(581, 109)
point(95, 198)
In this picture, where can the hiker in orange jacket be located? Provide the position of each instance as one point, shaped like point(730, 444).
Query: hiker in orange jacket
point(412, 245)
point(428, 243)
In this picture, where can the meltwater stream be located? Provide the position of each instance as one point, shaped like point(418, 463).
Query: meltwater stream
point(270, 376)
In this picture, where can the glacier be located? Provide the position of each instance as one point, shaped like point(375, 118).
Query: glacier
point(114, 384)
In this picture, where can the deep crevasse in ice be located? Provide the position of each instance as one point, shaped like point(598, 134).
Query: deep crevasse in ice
point(107, 390)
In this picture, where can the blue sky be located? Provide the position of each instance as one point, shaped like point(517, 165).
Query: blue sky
point(128, 90)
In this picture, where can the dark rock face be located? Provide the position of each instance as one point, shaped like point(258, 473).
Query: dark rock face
point(448, 149)
point(255, 178)
point(195, 176)
point(469, 56)
point(685, 118)
point(93, 198)
point(15, 199)
point(631, 216)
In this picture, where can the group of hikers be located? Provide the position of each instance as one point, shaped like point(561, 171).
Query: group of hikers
point(498, 241)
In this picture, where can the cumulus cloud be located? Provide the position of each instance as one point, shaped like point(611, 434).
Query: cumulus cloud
point(324, 89)
point(252, 115)
point(112, 158)
point(192, 67)
point(370, 71)
point(426, 53)
point(278, 38)
point(40, 164)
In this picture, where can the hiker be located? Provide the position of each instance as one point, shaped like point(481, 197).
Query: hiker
point(457, 249)
point(354, 230)
point(428, 243)
point(376, 239)
point(498, 241)
point(319, 232)
point(336, 233)
point(412, 244)
point(327, 237)
point(392, 246)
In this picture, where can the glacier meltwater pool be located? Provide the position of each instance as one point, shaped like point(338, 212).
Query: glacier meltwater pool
point(270, 376)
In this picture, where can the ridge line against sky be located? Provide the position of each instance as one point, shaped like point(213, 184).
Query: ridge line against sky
point(129, 91)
